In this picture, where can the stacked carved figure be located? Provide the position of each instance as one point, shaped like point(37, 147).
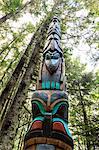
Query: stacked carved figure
point(49, 127)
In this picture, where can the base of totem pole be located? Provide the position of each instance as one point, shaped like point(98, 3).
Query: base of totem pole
point(57, 141)
point(43, 143)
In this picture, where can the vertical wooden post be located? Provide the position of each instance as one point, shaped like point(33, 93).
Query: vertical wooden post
point(49, 129)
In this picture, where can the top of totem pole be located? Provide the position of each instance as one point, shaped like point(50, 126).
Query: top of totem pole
point(53, 39)
point(56, 18)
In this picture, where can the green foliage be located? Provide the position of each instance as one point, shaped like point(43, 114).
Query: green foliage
point(93, 6)
point(30, 28)
point(82, 87)
point(83, 93)
point(10, 6)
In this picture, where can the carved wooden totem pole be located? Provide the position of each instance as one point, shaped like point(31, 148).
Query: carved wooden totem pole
point(49, 129)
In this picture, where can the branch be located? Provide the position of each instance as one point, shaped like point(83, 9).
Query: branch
point(9, 15)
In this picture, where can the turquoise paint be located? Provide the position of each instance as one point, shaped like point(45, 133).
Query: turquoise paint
point(43, 85)
point(38, 118)
point(47, 85)
point(40, 106)
point(57, 85)
point(55, 108)
point(52, 85)
point(65, 125)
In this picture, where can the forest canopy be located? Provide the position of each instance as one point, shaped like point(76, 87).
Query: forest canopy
point(23, 27)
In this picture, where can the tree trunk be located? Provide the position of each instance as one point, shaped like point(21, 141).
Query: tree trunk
point(16, 90)
point(85, 120)
point(15, 93)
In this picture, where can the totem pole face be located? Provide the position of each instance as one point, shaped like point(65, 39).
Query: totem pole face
point(50, 101)
point(52, 60)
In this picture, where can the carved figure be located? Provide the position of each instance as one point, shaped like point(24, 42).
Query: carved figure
point(50, 100)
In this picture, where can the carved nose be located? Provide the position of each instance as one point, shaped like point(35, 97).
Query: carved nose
point(54, 61)
point(52, 65)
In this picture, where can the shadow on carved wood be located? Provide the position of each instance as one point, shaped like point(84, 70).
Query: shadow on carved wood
point(50, 101)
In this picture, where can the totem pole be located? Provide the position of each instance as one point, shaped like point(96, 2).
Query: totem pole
point(49, 128)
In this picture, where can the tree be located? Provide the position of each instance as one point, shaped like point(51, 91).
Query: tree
point(80, 89)
point(20, 59)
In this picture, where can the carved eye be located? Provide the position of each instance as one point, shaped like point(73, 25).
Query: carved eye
point(47, 56)
point(56, 56)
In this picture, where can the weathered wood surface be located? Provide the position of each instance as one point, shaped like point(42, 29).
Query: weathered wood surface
point(59, 145)
point(50, 100)
point(16, 90)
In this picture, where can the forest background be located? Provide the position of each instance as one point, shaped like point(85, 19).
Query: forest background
point(23, 27)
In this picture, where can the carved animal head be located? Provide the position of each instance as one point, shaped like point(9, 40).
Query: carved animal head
point(52, 60)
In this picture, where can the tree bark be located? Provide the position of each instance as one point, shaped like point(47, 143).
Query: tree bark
point(85, 120)
point(13, 96)
point(16, 90)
